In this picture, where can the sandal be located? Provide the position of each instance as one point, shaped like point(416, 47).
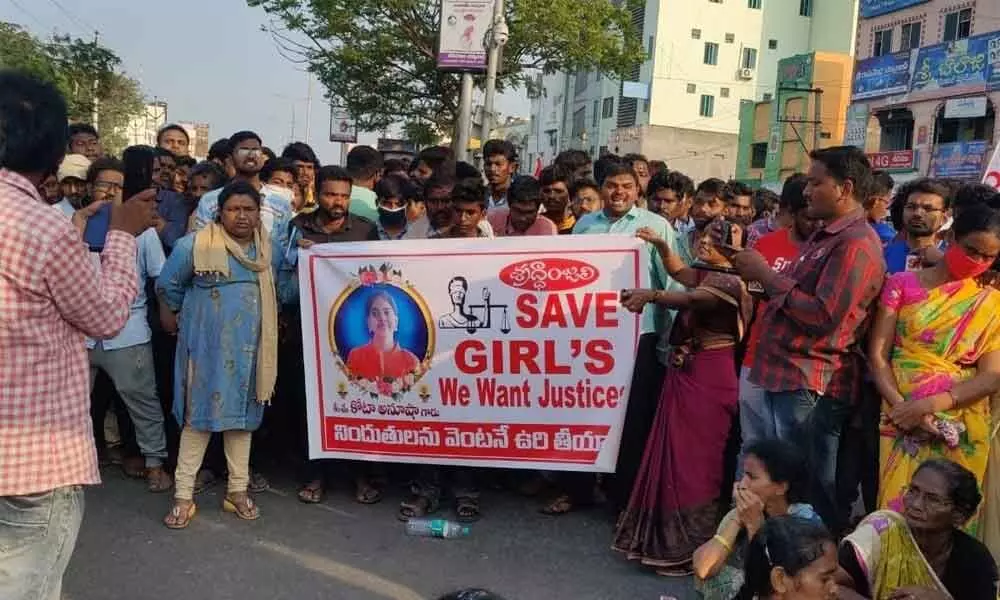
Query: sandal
point(467, 510)
point(258, 483)
point(241, 505)
point(417, 506)
point(158, 480)
point(558, 507)
point(205, 479)
point(312, 492)
point(134, 467)
point(367, 493)
point(179, 517)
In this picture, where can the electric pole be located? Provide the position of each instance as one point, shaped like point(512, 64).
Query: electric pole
point(498, 38)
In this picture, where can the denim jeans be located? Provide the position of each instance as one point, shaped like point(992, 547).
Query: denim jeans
point(37, 535)
point(756, 416)
point(815, 424)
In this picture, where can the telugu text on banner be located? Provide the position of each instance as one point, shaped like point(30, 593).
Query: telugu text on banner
point(511, 352)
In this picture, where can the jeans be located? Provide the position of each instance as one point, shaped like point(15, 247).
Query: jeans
point(815, 424)
point(133, 373)
point(756, 416)
point(37, 535)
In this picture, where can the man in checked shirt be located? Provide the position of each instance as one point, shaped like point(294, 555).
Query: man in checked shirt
point(817, 315)
point(52, 295)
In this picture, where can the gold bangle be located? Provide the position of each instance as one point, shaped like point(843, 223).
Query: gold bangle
point(725, 543)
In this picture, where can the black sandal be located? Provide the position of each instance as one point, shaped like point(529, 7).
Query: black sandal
point(312, 492)
point(365, 492)
point(562, 505)
point(417, 506)
point(467, 510)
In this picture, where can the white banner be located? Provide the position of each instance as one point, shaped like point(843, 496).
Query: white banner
point(342, 126)
point(513, 352)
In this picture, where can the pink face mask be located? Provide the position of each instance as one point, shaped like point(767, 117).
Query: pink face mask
point(963, 266)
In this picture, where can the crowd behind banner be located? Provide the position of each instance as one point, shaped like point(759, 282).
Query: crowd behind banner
point(809, 414)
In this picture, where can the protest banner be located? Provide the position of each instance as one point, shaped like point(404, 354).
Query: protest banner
point(512, 352)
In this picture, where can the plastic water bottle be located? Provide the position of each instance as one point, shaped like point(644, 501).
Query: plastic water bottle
point(440, 528)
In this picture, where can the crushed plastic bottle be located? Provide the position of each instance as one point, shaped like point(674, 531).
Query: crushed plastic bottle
point(440, 528)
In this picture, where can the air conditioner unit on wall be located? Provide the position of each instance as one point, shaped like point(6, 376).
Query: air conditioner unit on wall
point(746, 73)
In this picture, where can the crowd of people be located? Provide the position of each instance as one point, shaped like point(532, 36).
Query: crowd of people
point(809, 415)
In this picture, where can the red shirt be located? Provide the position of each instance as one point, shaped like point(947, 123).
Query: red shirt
point(780, 250)
point(499, 219)
point(818, 312)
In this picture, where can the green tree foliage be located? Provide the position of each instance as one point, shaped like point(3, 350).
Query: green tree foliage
point(378, 56)
point(85, 73)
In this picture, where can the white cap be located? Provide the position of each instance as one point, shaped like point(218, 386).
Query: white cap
point(74, 165)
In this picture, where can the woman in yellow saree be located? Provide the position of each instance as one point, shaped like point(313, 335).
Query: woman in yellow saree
point(935, 358)
point(921, 554)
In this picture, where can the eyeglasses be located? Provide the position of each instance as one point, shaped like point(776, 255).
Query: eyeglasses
point(249, 151)
point(932, 501)
point(107, 186)
point(927, 209)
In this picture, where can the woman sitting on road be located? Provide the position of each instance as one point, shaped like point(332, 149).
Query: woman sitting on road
point(790, 558)
point(773, 484)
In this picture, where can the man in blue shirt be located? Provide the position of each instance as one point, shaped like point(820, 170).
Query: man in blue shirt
point(926, 206)
point(620, 189)
point(877, 206)
point(128, 358)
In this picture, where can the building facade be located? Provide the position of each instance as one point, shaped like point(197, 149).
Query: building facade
point(142, 129)
point(926, 86)
point(683, 103)
point(808, 111)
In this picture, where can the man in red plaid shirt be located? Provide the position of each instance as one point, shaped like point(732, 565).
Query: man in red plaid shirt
point(52, 295)
point(810, 365)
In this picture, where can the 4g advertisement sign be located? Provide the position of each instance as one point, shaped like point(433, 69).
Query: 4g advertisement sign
point(512, 352)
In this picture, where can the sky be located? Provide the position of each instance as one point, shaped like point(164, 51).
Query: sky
point(210, 61)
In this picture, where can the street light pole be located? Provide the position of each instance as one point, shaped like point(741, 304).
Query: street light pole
point(498, 38)
point(464, 128)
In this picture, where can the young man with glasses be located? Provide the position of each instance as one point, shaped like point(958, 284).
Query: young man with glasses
point(926, 207)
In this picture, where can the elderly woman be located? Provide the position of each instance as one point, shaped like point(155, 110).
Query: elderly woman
point(221, 281)
point(922, 554)
point(382, 356)
point(935, 357)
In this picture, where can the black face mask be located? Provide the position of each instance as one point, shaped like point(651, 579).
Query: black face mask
point(392, 217)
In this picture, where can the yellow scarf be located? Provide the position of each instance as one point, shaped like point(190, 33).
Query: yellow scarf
point(212, 248)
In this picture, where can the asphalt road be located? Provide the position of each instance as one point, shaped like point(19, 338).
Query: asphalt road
point(340, 550)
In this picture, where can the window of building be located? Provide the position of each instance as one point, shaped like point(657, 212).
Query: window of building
point(958, 25)
point(603, 150)
point(579, 123)
point(716, 1)
point(772, 44)
point(949, 131)
point(711, 53)
point(595, 118)
point(645, 106)
point(724, 92)
point(883, 43)
point(805, 8)
point(608, 109)
point(767, 97)
point(897, 129)
point(650, 46)
point(696, 34)
point(758, 155)
point(707, 108)
point(753, 4)
point(749, 59)
point(909, 37)
point(692, 88)
point(730, 38)
point(580, 82)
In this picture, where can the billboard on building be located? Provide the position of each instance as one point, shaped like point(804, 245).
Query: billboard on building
point(962, 160)
point(960, 67)
point(885, 75)
point(874, 8)
point(856, 131)
point(462, 32)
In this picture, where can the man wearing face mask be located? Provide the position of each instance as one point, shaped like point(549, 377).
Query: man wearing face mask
point(394, 198)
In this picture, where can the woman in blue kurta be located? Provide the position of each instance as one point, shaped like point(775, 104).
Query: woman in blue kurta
point(221, 280)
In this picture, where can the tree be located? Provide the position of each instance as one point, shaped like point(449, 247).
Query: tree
point(377, 57)
point(85, 73)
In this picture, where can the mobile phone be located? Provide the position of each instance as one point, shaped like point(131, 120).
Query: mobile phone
point(97, 228)
point(138, 162)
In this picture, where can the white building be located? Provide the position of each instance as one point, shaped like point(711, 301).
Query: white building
point(682, 104)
